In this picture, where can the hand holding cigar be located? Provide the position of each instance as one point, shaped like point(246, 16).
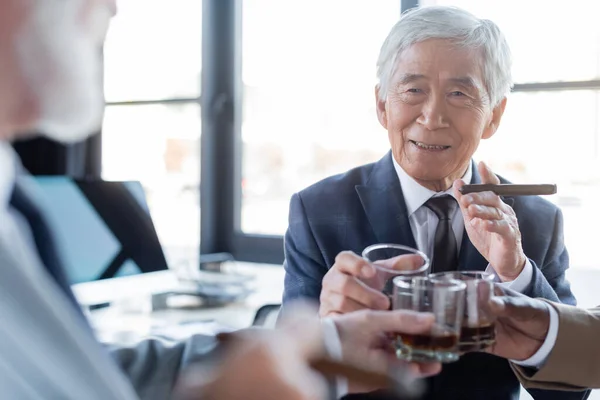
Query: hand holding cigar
point(491, 223)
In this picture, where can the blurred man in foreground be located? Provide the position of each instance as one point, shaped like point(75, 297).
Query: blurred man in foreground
point(50, 81)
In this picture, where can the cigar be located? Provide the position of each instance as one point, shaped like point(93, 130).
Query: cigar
point(511, 189)
point(398, 381)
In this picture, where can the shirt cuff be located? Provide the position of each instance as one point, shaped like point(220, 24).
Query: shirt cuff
point(539, 358)
point(333, 346)
point(521, 282)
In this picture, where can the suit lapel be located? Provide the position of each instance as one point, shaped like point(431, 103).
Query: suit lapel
point(384, 204)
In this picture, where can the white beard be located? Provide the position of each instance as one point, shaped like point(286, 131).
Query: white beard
point(61, 63)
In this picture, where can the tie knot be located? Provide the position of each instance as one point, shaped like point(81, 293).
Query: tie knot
point(442, 206)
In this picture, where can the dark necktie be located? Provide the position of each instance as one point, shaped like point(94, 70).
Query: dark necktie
point(445, 252)
point(43, 238)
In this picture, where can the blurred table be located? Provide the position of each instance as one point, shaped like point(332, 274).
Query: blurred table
point(130, 317)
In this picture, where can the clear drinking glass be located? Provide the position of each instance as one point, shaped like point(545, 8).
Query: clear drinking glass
point(392, 260)
point(477, 328)
point(445, 300)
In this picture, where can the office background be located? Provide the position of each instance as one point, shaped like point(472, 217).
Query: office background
point(222, 109)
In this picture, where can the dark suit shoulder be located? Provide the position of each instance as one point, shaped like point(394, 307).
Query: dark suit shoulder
point(541, 228)
point(541, 206)
point(537, 218)
point(336, 189)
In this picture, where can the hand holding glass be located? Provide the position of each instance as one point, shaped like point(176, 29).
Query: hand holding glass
point(445, 300)
point(392, 260)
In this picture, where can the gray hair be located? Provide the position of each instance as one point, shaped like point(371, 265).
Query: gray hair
point(459, 26)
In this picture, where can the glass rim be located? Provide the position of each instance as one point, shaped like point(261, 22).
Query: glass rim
point(482, 275)
point(379, 246)
point(404, 283)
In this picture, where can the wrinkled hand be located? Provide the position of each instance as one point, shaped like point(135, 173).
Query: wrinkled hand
point(365, 339)
point(521, 326)
point(352, 284)
point(492, 227)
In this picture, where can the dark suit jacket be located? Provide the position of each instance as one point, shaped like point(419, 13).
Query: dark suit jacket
point(365, 206)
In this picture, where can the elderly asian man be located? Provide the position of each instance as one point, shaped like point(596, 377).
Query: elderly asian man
point(50, 81)
point(444, 75)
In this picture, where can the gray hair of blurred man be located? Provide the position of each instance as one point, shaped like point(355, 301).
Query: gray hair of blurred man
point(458, 26)
point(54, 73)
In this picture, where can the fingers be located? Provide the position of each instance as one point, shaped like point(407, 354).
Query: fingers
point(425, 370)
point(484, 212)
point(487, 211)
point(343, 292)
point(407, 262)
point(519, 308)
point(350, 263)
point(502, 227)
point(494, 307)
point(489, 199)
point(484, 205)
point(487, 176)
point(400, 321)
point(338, 303)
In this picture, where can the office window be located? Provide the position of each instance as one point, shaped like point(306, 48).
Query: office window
point(154, 50)
point(552, 137)
point(550, 129)
point(151, 129)
point(308, 102)
point(550, 40)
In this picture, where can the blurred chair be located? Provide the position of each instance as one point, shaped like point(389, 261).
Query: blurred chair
point(103, 229)
point(266, 316)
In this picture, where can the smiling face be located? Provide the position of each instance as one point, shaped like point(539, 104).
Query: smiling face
point(436, 111)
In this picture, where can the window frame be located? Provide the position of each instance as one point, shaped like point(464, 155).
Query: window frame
point(244, 246)
point(221, 140)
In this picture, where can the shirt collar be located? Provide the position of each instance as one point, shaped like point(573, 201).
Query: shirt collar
point(8, 173)
point(416, 195)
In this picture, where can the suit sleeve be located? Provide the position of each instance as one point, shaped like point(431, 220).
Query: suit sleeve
point(153, 365)
point(574, 363)
point(304, 263)
point(548, 280)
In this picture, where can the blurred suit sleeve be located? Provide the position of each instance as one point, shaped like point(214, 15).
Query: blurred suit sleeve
point(574, 363)
point(548, 279)
point(154, 365)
